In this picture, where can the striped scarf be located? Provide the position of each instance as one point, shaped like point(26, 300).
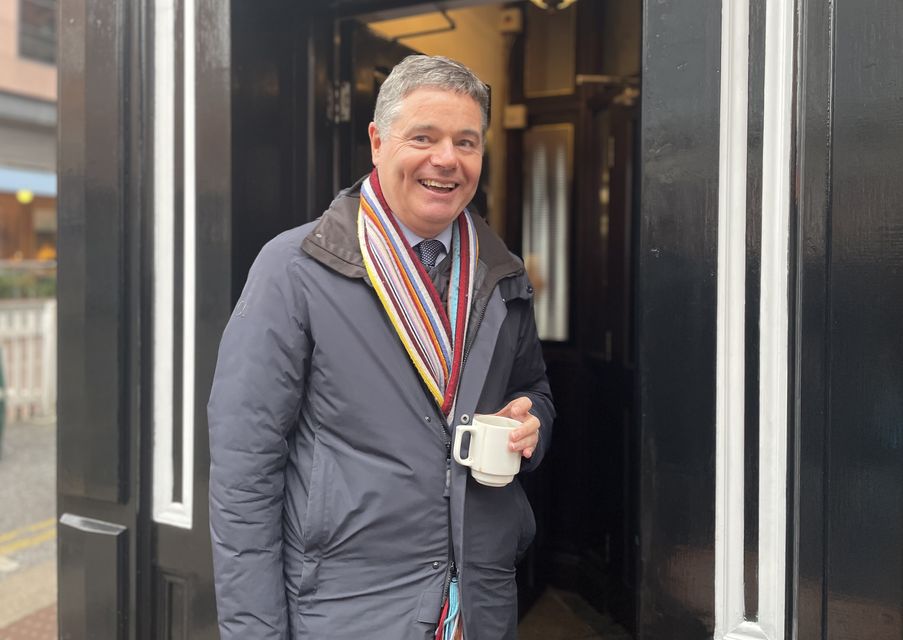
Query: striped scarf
point(432, 335)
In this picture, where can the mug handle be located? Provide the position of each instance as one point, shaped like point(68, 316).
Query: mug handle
point(456, 448)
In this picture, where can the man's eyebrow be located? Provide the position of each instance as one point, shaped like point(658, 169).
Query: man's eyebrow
point(427, 127)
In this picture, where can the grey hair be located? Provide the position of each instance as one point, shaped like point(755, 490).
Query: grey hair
point(418, 72)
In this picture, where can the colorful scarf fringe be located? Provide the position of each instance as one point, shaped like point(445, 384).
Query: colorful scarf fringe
point(432, 335)
point(450, 619)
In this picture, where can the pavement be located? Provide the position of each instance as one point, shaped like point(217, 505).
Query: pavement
point(28, 585)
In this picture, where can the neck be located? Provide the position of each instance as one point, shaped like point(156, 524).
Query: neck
point(425, 232)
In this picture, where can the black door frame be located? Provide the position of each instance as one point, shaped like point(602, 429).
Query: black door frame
point(106, 535)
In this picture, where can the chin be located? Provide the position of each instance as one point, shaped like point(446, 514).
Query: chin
point(443, 216)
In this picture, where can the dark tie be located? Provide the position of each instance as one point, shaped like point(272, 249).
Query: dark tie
point(429, 250)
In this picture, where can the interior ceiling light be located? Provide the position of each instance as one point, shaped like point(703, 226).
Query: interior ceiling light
point(552, 6)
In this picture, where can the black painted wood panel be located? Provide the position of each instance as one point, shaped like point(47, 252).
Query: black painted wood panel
point(812, 204)
point(91, 275)
point(173, 609)
point(100, 288)
point(864, 467)
point(677, 291)
point(93, 578)
point(849, 457)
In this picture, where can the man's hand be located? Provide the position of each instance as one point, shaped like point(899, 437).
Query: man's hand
point(526, 436)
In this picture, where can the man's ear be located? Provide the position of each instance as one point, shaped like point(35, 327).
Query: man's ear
point(375, 143)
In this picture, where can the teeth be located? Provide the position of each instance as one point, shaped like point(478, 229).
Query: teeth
point(436, 183)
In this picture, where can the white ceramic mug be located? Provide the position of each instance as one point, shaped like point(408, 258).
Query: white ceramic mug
point(490, 460)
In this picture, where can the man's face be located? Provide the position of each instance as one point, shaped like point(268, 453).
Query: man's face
point(429, 163)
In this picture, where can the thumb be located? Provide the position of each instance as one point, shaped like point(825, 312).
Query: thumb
point(519, 408)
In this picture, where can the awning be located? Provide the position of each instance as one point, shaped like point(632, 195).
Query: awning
point(40, 183)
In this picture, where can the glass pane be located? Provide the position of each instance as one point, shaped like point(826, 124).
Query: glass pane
point(550, 64)
point(548, 174)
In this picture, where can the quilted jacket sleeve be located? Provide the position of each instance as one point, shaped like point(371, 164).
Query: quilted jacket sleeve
point(256, 396)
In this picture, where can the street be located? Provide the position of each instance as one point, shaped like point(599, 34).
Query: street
point(28, 532)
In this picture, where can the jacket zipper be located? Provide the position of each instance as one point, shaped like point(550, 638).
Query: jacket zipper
point(452, 571)
point(475, 329)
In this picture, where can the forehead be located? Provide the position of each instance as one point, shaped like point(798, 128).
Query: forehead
point(440, 108)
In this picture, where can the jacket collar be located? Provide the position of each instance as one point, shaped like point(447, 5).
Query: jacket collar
point(334, 242)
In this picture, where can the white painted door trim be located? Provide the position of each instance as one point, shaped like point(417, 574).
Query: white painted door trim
point(730, 619)
point(731, 334)
point(165, 509)
point(774, 316)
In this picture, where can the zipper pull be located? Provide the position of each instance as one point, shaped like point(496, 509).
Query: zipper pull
point(447, 492)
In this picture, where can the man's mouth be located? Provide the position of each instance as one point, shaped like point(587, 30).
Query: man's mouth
point(437, 186)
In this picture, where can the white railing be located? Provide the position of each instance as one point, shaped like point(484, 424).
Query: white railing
point(28, 345)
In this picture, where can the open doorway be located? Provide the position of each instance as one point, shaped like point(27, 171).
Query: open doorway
point(559, 185)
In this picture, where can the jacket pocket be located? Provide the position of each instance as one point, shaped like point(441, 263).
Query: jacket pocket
point(428, 609)
point(494, 526)
point(313, 524)
point(313, 528)
point(294, 615)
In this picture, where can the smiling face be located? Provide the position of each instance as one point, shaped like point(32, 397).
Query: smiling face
point(429, 163)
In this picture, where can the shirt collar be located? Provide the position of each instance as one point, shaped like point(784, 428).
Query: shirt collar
point(445, 236)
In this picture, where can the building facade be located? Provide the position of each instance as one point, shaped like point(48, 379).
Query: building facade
point(28, 88)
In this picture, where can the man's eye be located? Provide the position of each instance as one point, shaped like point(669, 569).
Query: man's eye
point(470, 144)
point(421, 139)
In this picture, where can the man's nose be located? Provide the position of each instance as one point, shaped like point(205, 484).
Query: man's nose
point(444, 155)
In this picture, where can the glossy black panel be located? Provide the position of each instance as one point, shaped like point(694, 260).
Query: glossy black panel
point(174, 613)
point(101, 109)
point(677, 291)
point(812, 205)
point(93, 575)
point(91, 233)
point(865, 439)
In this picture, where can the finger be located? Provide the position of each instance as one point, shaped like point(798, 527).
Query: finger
point(529, 441)
point(520, 407)
point(506, 410)
point(528, 453)
point(528, 428)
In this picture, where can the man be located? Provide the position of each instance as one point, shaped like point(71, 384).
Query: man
point(359, 342)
